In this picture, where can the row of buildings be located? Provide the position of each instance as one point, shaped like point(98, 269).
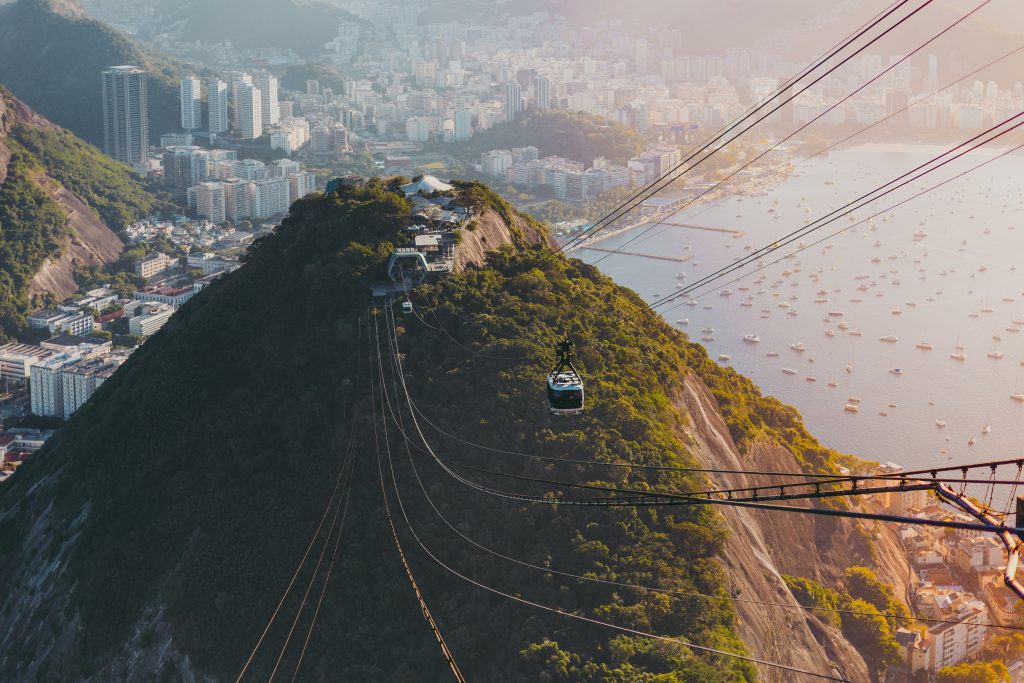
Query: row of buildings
point(61, 383)
point(221, 187)
point(956, 579)
point(569, 179)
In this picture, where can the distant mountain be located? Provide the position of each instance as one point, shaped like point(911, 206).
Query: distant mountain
point(61, 203)
point(51, 57)
point(297, 24)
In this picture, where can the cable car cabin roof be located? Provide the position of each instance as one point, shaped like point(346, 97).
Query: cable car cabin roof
point(565, 380)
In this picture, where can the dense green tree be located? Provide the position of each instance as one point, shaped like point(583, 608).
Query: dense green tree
point(863, 584)
point(558, 132)
point(870, 633)
point(974, 672)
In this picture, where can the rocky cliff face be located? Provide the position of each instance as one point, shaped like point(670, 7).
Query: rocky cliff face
point(90, 241)
point(765, 545)
point(491, 232)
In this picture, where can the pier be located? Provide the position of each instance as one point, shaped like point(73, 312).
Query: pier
point(660, 257)
point(691, 226)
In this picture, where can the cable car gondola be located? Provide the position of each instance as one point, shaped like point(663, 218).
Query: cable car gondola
point(565, 386)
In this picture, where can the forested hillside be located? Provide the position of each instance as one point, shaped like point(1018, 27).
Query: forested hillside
point(574, 135)
point(60, 199)
point(51, 57)
point(161, 553)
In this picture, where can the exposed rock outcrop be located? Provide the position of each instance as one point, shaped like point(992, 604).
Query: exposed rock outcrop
point(765, 545)
point(492, 232)
point(90, 242)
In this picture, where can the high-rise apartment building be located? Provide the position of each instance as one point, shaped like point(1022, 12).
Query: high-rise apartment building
point(191, 103)
point(125, 114)
point(217, 104)
point(513, 100)
point(417, 129)
point(542, 93)
point(209, 201)
point(239, 196)
point(249, 112)
point(463, 124)
point(184, 167)
point(300, 184)
point(272, 197)
point(269, 109)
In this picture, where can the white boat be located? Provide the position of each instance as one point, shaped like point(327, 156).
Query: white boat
point(752, 338)
point(724, 357)
point(924, 345)
point(772, 354)
point(891, 338)
point(1017, 397)
point(958, 355)
point(986, 429)
point(798, 346)
point(995, 354)
point(970, 441)
point(708, 330)
point(892, 404)
point(836, 314)
point(843, 325)
point(833, 384)
point(849, 368)
point(684, 321)
point(811, 379)
point(897, 311)
point(789, 371)
point(856, 333)
point(708, 307)
point(850, 408)
point(920, 235)
point(940, 423)
point(707, 337)
point(691, 302)
point(725, 292)
point(896, 371)
point(830, 333)
point(853, 399)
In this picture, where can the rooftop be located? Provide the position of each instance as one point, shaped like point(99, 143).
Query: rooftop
point(427, 184)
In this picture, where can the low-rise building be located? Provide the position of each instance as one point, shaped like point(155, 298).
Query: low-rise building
point(20, 442)
point(174, 296)
point(150, 318)
point(57, 322)
point(88, 346)
point(16, 361)
point(153, 263)
point(211, 263)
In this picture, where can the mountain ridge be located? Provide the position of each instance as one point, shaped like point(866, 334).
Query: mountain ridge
point(56, 43)
point(160, 553)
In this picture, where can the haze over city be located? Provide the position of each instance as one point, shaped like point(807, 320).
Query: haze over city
point(420, 341)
